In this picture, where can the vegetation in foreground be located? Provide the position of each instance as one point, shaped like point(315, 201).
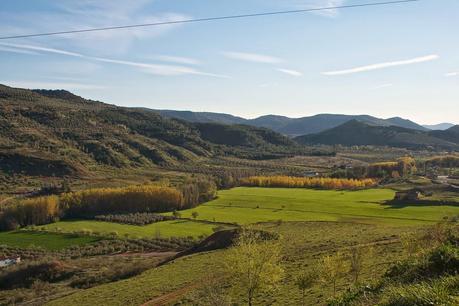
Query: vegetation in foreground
point(302, 246)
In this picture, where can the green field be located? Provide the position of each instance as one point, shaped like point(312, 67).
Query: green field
point(302, 242)
point(53, 242)
point(166, 229)
point(245, 205)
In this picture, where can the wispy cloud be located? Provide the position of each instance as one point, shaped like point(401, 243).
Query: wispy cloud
point(42, 49)
point(383, 86)
point(177, 59)
point(17, 51)
point(290, 72)
point(51, 85)
point(157, 69)
point(312, 4)
point(384, 65)
point(253, 57)
point(72, 15)
point(452, 74)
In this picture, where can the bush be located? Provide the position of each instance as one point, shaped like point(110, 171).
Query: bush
point(423, 294)
point(442, 260)
point(25, 275)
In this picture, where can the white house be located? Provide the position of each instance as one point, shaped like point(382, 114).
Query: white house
point(9, 261)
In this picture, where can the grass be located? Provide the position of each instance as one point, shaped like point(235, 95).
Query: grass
point(303, 243)
point(152, 283)
point(245, 205)
point(166, 229)
point(48, 241)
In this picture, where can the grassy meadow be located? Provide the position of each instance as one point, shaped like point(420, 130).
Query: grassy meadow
point(302, 243)
point(166, 229)
point(245, 205)
point(48, 241)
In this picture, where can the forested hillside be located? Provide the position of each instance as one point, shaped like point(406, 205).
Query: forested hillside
point(292, 126)
point(56, 133)
point(359, 133)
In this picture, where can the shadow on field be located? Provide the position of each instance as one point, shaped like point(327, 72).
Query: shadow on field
point(392, 204)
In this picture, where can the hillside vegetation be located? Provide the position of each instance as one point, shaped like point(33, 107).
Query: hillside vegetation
point(291, 126)
point(359, 133)
point(55, 133)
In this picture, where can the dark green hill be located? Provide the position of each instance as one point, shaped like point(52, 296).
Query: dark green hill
point(203, 117)
point(58, 133)
point(451, 134)
point(358, 133)
point(291, 126)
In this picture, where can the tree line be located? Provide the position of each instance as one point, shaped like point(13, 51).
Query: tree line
point(306, 182)
point(401, 167)
point(100, 201)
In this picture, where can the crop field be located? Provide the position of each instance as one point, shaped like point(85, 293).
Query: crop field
point(48, 241)
point(302, 243)
point(245, 205)
point(166, 229)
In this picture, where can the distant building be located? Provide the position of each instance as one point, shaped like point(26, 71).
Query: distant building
point(409, 195)
point(311, 174)
point(9, 261)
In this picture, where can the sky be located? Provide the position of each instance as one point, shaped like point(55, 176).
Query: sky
point(398, 60)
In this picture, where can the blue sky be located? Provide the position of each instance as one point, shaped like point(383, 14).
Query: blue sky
point(400, 60)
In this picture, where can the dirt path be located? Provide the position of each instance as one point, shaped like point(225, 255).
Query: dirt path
point(6, 200)
point(170, 297)
point(150, 254)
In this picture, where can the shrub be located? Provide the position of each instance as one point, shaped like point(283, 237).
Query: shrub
point(25, 275)
point(134, 218)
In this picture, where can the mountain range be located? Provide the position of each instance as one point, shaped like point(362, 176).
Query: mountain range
point(356, 132)
point(54, 132)
point(297, 126)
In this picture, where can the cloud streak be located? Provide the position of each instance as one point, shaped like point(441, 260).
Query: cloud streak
point(51, 85)
point(451, 74)
point(178, 59)
point(290, 72)
point(156, 69)
point(253, 57)
point(383, 86)
point(378, 66)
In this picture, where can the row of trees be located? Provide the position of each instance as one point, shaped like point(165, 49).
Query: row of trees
point(132, 199)
point(41, 210)
point(402, 167)
point(450, 161)
point(107, 201)
point(304, 182)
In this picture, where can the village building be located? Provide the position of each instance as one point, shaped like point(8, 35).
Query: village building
point(9, 261)
point(407, 195)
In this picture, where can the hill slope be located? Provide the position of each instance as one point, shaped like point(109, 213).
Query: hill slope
point(358, 133)
point(451, 134)
point(58, 133)
point(291, 126)
point(440, 126)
